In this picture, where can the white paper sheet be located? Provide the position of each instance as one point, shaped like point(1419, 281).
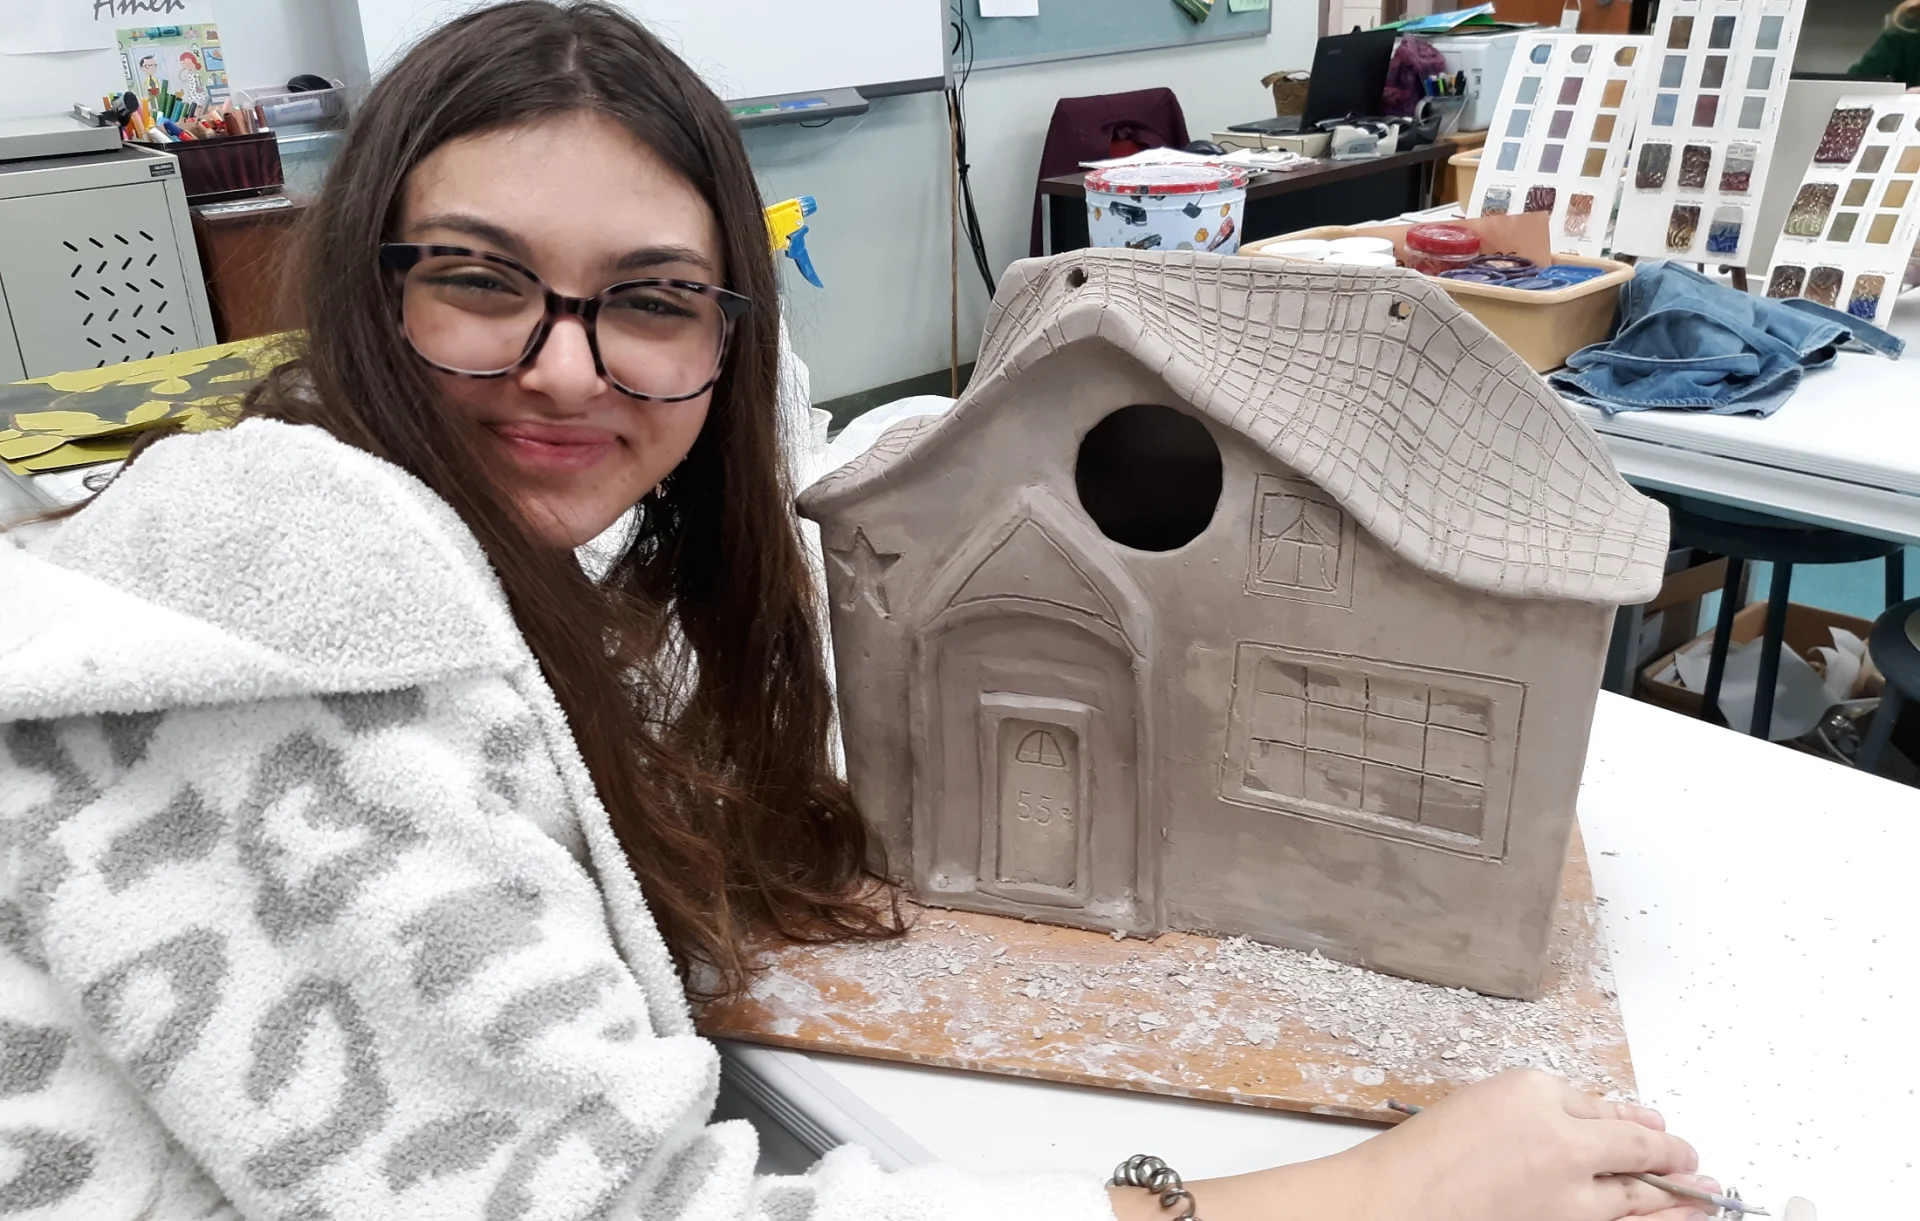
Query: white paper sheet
point(1152, 156)
point(1800, 695)
point(1009, 8)
point(46, 27)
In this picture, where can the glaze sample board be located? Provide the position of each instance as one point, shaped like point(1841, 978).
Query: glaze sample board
point(1703, 139)
point(1847, 235)
point(1560, 135)
point(1185, 1015)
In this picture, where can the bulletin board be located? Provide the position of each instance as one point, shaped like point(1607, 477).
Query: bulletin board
point(1074, 29)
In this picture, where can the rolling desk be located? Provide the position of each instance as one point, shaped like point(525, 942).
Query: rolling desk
point(1325, 193)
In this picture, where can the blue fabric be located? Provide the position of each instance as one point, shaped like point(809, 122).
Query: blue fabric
point(1684, 342)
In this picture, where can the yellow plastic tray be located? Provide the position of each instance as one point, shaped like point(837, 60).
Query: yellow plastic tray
point(1543, 327)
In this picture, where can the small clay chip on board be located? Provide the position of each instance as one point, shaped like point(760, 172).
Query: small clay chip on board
point(1190, 1016)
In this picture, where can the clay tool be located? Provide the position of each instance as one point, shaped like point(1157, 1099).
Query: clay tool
point(1732, 1204)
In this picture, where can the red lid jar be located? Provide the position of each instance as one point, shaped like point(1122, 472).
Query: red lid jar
point(1438, 247)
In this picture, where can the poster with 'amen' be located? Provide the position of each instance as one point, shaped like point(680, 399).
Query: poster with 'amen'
point(48, 27)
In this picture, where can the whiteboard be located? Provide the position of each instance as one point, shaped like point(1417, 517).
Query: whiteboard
point(742, 48)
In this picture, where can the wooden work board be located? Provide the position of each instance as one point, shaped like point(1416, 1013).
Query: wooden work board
point(1184, 1015)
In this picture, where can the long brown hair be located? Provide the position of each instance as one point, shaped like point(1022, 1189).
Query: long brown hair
point(1903, 12)
point(691, 673)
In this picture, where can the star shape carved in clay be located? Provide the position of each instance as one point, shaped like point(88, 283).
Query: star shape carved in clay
point(864, 567)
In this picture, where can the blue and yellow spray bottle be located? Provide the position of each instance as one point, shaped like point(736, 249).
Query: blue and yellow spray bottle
point(787, 228)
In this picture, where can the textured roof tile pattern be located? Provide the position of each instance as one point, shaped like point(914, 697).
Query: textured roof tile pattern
point(1429, 431)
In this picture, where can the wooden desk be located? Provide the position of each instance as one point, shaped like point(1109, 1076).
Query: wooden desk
point(1326, 193)
point(244, 245)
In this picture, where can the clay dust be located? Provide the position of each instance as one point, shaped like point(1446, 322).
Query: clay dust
point(1186, 1015)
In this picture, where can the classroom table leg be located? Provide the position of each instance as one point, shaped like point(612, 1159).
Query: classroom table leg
point(1770, 645)
point(1722, 638)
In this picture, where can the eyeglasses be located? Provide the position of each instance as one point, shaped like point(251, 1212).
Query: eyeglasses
point(478, 314)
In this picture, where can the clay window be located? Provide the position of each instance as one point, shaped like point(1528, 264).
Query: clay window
point(1341, 739)
point(1149, 477)
point(1391, 750)
point(1039, 747)
point(1302, 544)
point(1299, 541)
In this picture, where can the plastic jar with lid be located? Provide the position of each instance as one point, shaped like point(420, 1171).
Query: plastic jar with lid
point(1434, 248)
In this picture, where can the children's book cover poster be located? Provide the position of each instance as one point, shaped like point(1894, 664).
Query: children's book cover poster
point(185, 58)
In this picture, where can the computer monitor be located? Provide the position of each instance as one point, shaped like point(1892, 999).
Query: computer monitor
point(1349, 71)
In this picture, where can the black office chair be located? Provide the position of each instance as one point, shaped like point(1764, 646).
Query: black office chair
point(1895, 647)
point(1745, 537)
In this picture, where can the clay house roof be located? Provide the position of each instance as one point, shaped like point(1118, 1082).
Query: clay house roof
point(1432, 435)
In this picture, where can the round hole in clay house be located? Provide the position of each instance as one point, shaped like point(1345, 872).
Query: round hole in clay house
point(1149, 477)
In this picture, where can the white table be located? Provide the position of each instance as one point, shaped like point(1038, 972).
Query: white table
point(1756, 903)
point(1844, 451)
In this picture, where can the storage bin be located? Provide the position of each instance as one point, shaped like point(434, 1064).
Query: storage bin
point(307, 109)
point(228, 167)
point(1466, 168)
point(1543, 328)
point(1806, 630)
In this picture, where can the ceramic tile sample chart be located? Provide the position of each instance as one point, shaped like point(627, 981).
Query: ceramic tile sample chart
point(1703, 137)
point(1854, 219)
point(1559, 137)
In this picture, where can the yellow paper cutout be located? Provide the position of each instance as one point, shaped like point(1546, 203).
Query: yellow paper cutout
point(20, 448)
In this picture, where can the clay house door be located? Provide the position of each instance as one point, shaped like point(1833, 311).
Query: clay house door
point(1026, 715)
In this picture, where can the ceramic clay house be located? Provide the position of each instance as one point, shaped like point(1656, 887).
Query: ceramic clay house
point(1241, 597)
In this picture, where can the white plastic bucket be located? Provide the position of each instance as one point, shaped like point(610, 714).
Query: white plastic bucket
point(1167, 207)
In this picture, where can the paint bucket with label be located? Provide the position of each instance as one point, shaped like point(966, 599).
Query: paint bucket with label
point(1195, 206)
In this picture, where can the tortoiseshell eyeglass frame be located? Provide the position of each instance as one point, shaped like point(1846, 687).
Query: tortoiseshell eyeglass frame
point(402, 257)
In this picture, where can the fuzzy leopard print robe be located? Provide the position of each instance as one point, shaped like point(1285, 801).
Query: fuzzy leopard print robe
point(308, 909)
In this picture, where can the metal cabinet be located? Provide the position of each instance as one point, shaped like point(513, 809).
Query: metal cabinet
point(97, 263)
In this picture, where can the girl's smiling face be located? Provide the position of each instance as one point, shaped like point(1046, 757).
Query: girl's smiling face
point(583, 204)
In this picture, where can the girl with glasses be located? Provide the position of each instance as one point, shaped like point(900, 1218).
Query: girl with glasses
point(359, 852)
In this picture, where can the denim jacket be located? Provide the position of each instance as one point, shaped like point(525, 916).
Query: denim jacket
point(1688, 343)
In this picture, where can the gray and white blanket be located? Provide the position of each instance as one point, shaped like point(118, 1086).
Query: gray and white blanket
point(308, 909)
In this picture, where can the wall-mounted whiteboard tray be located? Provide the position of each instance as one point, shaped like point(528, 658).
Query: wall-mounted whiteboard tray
point(1560, 134)
point(1703, 139)
point(1851, 225)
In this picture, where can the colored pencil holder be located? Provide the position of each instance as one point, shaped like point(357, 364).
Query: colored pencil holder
point(229, 167)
